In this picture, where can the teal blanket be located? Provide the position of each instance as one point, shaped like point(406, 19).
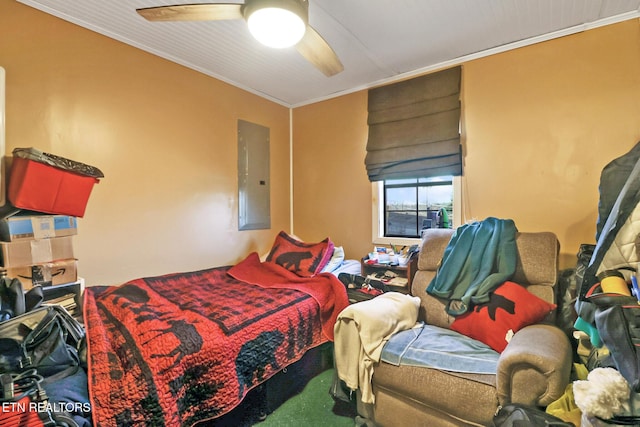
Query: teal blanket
point(479, 257)
point(439, 348)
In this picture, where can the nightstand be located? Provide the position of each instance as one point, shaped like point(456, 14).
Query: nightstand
point(404, 273)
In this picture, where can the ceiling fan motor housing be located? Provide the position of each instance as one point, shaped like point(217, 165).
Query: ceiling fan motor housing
point(298, 7)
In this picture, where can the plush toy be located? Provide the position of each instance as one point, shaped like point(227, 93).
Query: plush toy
point(603, 394)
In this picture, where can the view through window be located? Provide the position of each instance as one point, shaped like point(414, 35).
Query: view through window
point(412, 205)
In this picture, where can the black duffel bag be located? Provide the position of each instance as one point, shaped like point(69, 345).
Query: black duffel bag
point(42, 343)
point(47, 339)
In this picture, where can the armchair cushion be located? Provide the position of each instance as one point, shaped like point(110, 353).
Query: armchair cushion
point(440, 348)
point(510, 308)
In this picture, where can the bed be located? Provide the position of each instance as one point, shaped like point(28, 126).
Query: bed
point(183, 348)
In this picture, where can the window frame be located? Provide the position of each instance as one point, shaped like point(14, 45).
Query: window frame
point(377, 209)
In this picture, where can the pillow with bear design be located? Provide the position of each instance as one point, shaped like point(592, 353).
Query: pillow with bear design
point(510, 308)
point(304, 259)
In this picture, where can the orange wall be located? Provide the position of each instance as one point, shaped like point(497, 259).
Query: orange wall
point(540, 123)
point(331, 191)
point(164, 136)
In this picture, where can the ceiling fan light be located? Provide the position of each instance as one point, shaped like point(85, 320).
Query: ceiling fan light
point(276, 27)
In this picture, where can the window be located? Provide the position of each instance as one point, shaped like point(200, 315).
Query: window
point(402, 208)
point(414, 131)
point(411, 205)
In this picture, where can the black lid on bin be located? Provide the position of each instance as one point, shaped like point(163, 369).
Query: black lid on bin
point(58, 162)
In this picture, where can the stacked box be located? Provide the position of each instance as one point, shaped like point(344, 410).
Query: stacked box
point(46, 274)
point(27, 227)
point(36, 245)
point(46, 261)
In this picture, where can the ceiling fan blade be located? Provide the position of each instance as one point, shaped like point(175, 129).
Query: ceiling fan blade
point(317, 51)
point(192, 12)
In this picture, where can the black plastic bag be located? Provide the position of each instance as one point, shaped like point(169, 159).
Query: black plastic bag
point(515, 415)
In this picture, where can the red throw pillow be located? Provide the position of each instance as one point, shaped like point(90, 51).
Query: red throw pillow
point(304, 259)
point(510, 308)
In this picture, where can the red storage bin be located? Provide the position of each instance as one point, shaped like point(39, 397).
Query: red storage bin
point(47, 183)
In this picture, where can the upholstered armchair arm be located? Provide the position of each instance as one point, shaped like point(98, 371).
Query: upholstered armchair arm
point(535, 367)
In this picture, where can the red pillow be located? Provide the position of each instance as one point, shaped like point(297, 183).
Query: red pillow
point(304, 259)
point(510, 308)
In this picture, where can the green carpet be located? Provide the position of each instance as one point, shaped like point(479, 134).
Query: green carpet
point(312, 407)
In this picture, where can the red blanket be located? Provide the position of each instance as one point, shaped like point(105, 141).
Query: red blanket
point(325, 288)
point(177, 349)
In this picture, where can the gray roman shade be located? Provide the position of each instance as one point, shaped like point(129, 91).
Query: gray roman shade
point(414, 128)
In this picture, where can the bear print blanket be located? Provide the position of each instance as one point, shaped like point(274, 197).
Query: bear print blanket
point(186, 347)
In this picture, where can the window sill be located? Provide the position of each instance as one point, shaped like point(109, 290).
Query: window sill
point(397, 241)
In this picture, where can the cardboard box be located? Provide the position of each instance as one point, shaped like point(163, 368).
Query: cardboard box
point(36, 251)
point(45, 274)
point(45, 183)
point(28, 227)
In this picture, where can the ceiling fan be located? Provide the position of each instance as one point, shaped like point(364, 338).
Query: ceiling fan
point(267, 19)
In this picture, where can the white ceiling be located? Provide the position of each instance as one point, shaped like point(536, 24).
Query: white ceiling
point(378, 41)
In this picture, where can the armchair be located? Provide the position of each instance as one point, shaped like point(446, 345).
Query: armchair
point(533, 369)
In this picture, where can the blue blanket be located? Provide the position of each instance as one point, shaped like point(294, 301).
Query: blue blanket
point(439, 348)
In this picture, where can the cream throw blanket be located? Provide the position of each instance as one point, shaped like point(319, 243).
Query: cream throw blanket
point(361, 331)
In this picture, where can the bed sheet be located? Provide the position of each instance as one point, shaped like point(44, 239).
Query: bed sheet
point(349, 266)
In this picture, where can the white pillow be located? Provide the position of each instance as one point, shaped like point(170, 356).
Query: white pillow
point(336, 260)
